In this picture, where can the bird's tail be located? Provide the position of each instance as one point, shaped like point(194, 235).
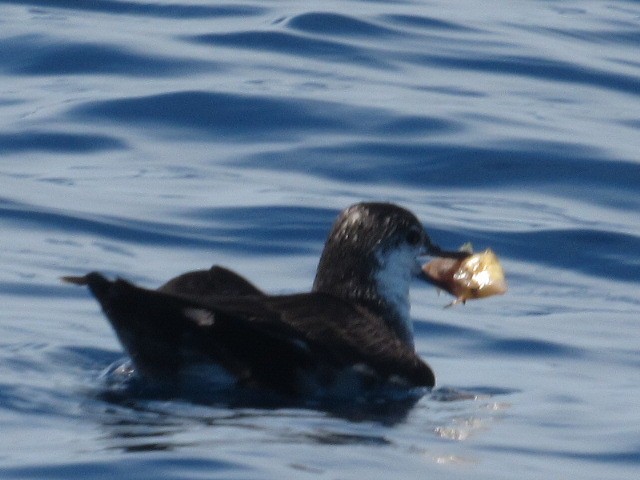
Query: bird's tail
point(96, 282)
point(75, 280)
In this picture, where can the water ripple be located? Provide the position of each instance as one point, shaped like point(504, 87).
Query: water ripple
point(251, 118)
point(607, 254)
point(537, 68)
point(47, 56)
point(619, 36)
point(216, 113)
point(33, 141)
point(449, 165)
point(530, 347)
point(134, 469)
point(296, 45)
point(333, 24)
point(146, 9)
point(426, 23)
point(252, 227)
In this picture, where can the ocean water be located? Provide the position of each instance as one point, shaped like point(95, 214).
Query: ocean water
point(145, 138)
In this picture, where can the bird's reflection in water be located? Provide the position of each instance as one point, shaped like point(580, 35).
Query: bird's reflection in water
point(136, 416)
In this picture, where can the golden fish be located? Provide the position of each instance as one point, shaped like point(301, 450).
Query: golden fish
point(479, 275)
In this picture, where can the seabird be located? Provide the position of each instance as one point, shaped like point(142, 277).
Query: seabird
point(351, 333)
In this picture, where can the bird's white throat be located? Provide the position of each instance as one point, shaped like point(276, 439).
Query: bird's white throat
point(393, 278)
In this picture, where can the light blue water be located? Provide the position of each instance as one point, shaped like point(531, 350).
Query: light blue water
point(147, 138)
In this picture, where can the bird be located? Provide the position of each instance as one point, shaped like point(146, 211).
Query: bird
point(351, 334)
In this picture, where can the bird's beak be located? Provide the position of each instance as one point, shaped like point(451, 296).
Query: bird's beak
point(433, 250)
point(436, 251)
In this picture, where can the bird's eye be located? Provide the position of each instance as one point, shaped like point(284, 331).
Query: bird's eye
point(414, 237)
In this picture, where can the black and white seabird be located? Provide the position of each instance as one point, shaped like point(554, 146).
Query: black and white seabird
point(352, 331)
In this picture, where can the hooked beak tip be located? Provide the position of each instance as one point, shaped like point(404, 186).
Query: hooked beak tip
point(435, 251)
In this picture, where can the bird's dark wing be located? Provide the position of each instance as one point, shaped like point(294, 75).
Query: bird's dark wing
point(164, 332)
point(215, 281)
point(270, 341)
point(351, 335)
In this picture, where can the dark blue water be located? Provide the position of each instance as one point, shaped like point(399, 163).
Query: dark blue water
point(147, 138)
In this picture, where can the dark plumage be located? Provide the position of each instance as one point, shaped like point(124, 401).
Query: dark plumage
point(351, 331)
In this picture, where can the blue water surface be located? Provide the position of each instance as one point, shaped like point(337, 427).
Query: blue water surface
point(144, 138)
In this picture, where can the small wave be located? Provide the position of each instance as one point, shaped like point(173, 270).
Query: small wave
point(535, 67)
point(426, 23)
point(296, 45)
point(242, 231)
point(133, 468)
point(147, 9)
point(56, 142)
point(216, 113)
point(333, 24)
point(130, 230)
point(543, 166)
point(531, 348)
point(47, 56)
point(607, 254)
